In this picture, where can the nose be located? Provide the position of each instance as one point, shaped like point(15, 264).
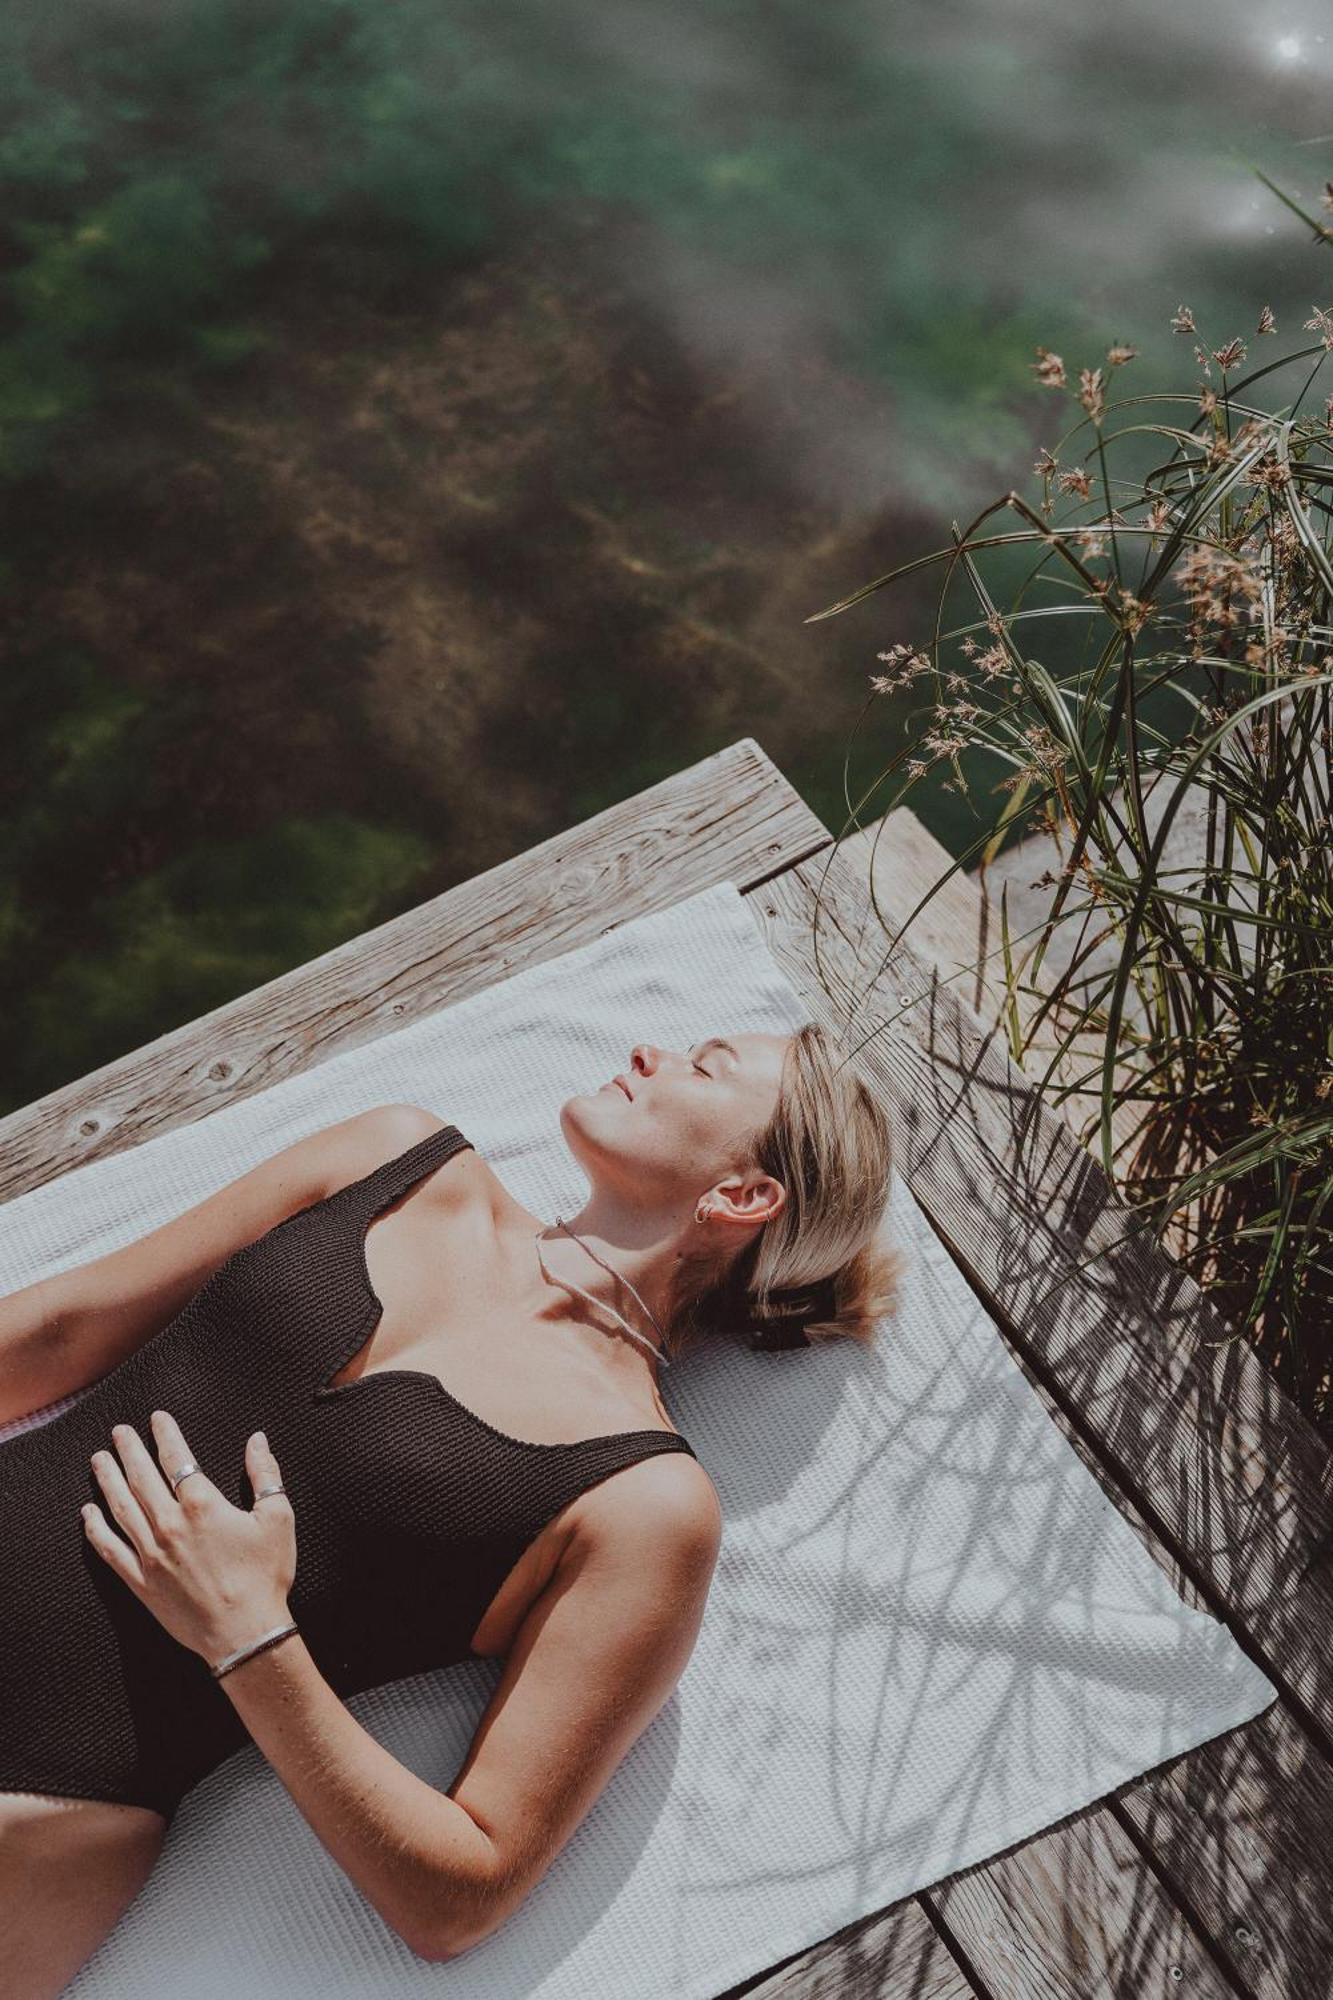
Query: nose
point(645, 1057)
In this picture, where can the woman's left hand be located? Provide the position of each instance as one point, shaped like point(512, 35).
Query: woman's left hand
point(215, 1576)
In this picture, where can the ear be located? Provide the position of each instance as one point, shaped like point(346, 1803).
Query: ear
point(749, 1199)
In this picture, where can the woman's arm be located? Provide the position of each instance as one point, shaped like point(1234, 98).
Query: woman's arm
point(597, 1656)
point(415, 1854)
point(66, 1331)
point(30, 1334)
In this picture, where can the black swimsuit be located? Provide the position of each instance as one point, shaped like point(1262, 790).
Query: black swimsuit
point(410, 1509)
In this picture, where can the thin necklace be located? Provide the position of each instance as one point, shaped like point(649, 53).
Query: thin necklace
point(658, 1352)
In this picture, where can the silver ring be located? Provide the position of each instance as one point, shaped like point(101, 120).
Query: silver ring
point(184, 1473)
point(264, 1491)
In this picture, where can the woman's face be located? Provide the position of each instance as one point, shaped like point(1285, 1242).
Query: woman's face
point(675, 1122)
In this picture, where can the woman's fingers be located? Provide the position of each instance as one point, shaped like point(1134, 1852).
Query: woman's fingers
point(144, 1479)
point(204, 1568)
point(118, 1555)
point(123, 1503)
point(139, 1492)
point(175, 1455)
point(265, 1475)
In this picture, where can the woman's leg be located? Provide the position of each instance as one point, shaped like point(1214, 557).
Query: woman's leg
point(69, 1869)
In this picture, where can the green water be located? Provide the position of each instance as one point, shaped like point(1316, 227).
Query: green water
point(422, 426)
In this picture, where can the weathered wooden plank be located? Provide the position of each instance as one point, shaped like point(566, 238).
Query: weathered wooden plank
point(731, 817)
point(1184, 1415)
point(895, 1955)
point(1074, 1915)
point(1240, 1828)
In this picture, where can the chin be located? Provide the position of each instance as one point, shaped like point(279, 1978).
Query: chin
point(576, 1114)
point(599, 1094)
point(592, 1127)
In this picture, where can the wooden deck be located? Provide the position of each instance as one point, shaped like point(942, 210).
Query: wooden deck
point(1211, 1876)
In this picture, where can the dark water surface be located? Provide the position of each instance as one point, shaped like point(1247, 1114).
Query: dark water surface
point(423, 426)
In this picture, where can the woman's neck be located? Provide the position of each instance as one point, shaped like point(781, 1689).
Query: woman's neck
point(577, 1254)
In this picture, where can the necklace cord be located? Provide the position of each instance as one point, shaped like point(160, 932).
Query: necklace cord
point(659, 1353)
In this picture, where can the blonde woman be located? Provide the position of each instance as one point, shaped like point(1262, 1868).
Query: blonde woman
point(269, 1499)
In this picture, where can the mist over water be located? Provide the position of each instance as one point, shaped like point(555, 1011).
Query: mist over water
point(424, 426)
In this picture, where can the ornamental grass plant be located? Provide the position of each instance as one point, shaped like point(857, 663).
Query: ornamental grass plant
point(1147, 652)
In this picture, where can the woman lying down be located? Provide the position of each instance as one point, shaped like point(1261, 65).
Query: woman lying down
point(361, 1414)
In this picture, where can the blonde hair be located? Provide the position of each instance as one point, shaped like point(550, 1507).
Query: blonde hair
point(830, 1146)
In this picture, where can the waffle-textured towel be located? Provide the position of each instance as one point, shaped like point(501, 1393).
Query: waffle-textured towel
point(929, 1636)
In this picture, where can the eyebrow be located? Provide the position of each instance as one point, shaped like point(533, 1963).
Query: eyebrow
point(716, 1042)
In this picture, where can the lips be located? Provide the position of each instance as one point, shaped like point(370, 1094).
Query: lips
point(620, 1084)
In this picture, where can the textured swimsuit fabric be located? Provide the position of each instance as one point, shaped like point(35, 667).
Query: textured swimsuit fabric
point(411, 1510)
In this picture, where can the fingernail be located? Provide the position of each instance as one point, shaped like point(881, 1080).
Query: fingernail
point(262, 1439)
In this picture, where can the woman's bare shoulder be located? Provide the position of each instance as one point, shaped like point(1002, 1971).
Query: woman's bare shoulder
point(357, 1145)
point(666, 1498)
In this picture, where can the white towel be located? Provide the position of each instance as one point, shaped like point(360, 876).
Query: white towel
point(930, 1634)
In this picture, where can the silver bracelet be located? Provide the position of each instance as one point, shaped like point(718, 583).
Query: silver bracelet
point(248, 1652)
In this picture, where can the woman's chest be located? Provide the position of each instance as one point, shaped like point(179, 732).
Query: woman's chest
point(418, 1507)
point(447, 1295)
point(421, 1536)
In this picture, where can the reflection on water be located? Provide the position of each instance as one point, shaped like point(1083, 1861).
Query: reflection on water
point(429, 425)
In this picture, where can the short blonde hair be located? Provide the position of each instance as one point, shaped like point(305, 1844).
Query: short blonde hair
point(830, 1145)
